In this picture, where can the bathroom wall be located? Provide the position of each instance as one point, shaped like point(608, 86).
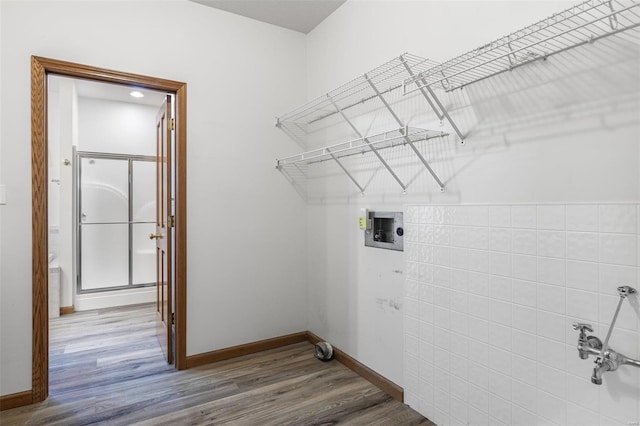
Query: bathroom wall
point(62, 137)
point(561, 131)
point(491, 292)
point(239, 208)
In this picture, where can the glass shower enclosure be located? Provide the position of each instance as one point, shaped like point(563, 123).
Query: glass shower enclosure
point(116, 197)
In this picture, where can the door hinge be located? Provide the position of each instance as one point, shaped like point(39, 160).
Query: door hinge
point(171, 221)
point(173, 124)
point(173, 318)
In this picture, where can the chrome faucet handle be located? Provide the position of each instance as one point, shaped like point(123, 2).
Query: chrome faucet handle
point(582, 327)
point(590, 345)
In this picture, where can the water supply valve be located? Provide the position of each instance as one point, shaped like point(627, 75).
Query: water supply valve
point(607, 359)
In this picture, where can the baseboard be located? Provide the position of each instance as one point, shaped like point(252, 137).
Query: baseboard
point(15, 400)
point(66, 310)
point(245, 349)
point(395, 391)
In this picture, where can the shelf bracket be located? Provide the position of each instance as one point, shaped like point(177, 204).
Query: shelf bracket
point(422, 85)
point(445, 79)
point(384, 101)
point(405, 134)
point(345, 170)
point(613, 19)
point(371, 147)
point(424, 162)
point(513, 59)
point(412, 74)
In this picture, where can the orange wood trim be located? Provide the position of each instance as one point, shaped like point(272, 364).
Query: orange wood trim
point(245, 349)
point(395, 391)
point(40, 234)
point(66, 310)
point(180, 234)
point(40, 68)
point(70, 69)
point(14, 400)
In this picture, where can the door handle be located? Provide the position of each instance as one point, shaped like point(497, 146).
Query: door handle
point(156, 236)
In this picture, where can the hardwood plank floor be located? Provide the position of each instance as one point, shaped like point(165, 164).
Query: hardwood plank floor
point(106, 367)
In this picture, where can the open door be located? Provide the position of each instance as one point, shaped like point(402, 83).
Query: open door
point(164, 235)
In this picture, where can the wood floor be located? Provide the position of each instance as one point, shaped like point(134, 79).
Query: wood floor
point(106, 368)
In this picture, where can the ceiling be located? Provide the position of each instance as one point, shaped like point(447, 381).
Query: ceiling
point(297, 15)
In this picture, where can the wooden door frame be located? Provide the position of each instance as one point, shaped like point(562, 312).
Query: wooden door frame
point(40, 69)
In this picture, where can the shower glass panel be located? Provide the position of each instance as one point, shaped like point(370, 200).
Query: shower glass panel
point(105, 191)
point(143, 215)
point(116, 214)
point(144, 194)
point(144, 254)
point(105, 258)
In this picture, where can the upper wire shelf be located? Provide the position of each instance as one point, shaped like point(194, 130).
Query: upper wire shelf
point(379, 81)
point(578, 25)
point(377, 142)
point(376, 84)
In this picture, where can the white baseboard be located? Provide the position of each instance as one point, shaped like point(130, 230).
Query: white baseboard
point(110, 299)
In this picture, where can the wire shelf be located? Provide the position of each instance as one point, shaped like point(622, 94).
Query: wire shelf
point(377, 142)
point(578, 25)
point(387, 77)
point(374, 85)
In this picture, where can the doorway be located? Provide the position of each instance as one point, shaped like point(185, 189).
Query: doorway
point(41, 68)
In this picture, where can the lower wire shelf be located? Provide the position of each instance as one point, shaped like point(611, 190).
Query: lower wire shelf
point(398, 137)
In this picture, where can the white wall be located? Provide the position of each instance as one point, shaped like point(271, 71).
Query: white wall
point(492, 292)
point(563, 130)
point(246, 225)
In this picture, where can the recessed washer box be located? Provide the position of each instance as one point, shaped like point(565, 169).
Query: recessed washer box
point(384, 230)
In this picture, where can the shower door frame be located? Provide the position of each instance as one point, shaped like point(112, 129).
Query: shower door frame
point(41, 68)
point(130, 158)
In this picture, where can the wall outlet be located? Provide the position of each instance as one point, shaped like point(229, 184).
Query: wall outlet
point(363, 220)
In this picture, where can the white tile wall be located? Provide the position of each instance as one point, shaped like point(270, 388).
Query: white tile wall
point(490, 296)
